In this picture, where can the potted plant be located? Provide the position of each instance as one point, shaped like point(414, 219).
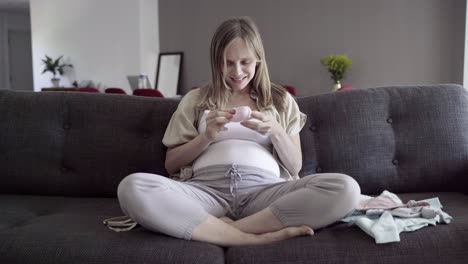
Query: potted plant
point(337, 66)
point(54, 66)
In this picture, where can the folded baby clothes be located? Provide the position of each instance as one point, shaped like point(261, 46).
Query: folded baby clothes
point(384, 217)
point(386, 201)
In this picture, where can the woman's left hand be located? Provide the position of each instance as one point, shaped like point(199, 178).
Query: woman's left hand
point(263, 124)
point(287, 146)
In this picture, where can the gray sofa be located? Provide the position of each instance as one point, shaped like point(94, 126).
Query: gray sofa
point(64, 153)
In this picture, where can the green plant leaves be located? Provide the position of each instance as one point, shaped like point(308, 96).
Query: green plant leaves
point(337, 66)
point(54, 66)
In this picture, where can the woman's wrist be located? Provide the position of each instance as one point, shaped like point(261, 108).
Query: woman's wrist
point(277, 131)
point(205, 139)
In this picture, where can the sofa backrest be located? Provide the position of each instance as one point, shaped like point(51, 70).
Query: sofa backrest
point(401, 139)
point(78, 144)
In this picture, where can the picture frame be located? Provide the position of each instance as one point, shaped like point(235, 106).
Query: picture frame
point(168, 73)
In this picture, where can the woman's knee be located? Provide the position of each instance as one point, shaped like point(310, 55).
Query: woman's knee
point(348, 194)
point(132, 187)
point(351, 189)
point(127, 184)
point(345, 189)
point(126, 191)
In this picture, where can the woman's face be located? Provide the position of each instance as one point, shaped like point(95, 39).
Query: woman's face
point(240, 64)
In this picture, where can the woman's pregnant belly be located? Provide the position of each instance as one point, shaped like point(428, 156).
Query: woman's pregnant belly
point(239, 152)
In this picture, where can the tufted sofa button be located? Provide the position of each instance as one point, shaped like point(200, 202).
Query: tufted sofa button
point(66, 126)
point(313, 128)
point(64, 169)
point(318, 170)
point(389, 120)
point(146, 135)
point(395, 162)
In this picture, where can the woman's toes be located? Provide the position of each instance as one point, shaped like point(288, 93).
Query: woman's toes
point(299, 231)
point(306, 230)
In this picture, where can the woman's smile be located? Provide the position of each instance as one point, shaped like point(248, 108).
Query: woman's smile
point(240, 64)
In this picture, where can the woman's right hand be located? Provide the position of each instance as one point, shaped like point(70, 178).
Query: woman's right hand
point(216, 121)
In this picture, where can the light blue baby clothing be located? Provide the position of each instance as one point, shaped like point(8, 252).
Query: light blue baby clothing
point(385, 225)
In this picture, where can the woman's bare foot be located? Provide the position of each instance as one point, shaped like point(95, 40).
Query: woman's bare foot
point(270, 237)
point(285, 233)
point(216, 231)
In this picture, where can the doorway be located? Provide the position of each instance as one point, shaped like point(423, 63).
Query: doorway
point(20, 60)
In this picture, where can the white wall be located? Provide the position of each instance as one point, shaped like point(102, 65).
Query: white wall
point(397, 42)
point(9, 20)
point(149, 38)
point(105, 40)
point(465, 66)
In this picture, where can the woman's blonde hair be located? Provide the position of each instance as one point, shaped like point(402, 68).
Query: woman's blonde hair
point(216, 93)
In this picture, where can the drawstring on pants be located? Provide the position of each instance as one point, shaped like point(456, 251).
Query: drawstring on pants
point(235, 177)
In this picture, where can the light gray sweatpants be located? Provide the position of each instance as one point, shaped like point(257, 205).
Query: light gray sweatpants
point(176, 208)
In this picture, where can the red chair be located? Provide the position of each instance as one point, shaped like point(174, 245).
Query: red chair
point(147, 92)
point(115, 91)
point(88, 90)
point(290, 89)
point(345, 87)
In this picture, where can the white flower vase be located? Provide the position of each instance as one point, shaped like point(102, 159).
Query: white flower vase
point(336, 86)
point(55, 82)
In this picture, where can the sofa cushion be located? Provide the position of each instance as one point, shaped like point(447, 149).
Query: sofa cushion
point(403, 139)
point(69, 230)
point(343, 244)
point(79, 144)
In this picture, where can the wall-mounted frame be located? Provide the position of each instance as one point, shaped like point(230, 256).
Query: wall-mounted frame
point(168, 73)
